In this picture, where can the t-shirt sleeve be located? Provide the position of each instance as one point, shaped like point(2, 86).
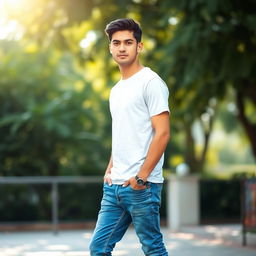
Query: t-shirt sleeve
point(156, 97)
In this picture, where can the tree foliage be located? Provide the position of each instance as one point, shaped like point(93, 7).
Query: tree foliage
point(213, 49)
point(48, 120)
point(55, 81)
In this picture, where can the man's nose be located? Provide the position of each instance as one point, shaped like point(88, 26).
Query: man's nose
point(122, 48)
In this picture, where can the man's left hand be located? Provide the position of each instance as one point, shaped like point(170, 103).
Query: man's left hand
point(133, 183)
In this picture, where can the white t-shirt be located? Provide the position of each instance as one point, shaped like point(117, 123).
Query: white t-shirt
point(133, 102)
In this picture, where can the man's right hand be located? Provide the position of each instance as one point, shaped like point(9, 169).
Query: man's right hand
point(107, 179)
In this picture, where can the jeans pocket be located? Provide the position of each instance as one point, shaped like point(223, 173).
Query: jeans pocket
point(140, 195)
point(137, 189)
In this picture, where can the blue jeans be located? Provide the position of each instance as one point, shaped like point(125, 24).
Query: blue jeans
point(121, 206)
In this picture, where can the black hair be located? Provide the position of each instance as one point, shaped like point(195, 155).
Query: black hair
point(124, 24)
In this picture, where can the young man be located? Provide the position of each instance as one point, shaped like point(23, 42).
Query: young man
point(140, 132)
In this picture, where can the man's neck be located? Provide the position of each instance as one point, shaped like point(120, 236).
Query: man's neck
point(128, 71)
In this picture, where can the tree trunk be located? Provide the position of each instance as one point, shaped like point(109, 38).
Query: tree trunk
point(207, 133)
point(249, 127)
point(190, 156)
point(196, 163)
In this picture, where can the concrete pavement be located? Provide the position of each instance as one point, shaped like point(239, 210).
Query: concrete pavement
point(209, 240)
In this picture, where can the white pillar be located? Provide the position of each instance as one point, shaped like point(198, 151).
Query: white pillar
point(183, 201)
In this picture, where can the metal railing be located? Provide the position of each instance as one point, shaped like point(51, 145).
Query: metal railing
point(55, 190)
point(54, 182)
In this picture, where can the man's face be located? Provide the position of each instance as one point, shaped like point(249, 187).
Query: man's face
point(124, 47)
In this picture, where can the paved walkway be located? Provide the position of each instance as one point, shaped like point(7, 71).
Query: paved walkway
point(224, 240)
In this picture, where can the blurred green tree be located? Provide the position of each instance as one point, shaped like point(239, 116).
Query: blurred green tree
point(200, 48)
point(49, 118)
point(213, 49)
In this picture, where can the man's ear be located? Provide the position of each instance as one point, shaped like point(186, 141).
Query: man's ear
point(110, 49)
point(139, 47)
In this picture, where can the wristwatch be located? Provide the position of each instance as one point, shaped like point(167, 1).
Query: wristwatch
point(140, 181)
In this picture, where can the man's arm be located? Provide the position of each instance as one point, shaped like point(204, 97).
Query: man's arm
point(107, 178)
point(161, 126)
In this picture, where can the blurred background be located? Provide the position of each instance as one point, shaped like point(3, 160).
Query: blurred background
point(55, 77)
